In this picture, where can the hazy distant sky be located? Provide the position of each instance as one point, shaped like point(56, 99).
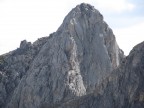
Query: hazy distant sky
point(32, 19)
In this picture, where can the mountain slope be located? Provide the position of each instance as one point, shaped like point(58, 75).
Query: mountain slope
point(67, 65)
point(14, 65)
point(124, 88)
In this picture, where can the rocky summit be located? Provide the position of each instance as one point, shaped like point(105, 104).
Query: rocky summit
point(78, 66)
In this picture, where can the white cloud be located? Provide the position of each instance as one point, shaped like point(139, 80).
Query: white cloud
point(114, 5)
point(28, 20)
point(128, 37)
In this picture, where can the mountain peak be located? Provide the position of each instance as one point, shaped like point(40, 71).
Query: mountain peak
point(85, 6)
point(85, 9)
point(83, 16)
point(68, 64)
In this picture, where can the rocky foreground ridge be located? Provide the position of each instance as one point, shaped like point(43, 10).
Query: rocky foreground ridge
point(123, 88)
point(78, 66)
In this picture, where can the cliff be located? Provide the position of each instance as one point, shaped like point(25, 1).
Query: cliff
point(70, 64)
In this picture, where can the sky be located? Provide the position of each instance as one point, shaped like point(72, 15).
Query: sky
point(33, 19)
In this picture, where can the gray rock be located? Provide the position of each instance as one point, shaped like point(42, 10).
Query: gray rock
point(124, 88)
point(71, 63)
point(14, 65)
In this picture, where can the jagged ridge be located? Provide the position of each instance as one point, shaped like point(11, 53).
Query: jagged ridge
point(65, 66)
point(124, 88)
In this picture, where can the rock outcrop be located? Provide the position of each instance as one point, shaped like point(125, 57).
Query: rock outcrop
point(14, 65)
point(69, 64)
point(124, 88)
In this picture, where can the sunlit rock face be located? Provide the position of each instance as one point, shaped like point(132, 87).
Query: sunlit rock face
point(68, 64)
point(123, 88)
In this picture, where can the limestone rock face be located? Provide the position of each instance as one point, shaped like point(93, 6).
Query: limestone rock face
point(124, 88)
point(14, 65)
point(69, 64)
